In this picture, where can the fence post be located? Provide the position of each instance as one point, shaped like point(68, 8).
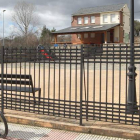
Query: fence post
point(132, 100)
point(2, 70)
point(81, 84)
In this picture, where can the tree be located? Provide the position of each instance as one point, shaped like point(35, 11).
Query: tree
point(46, 35)
point(53, 30)
point(25, 18)
point(137, 27)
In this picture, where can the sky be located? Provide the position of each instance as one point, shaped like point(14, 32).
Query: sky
point(54, 13)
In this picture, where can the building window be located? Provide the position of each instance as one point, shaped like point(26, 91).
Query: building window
point(85, 20)
point(113, 18)
point(72, 18)
point(86, 35)
point(92, 19)
point(92, 35)
point(79, 20)
point(123, 18)
point(79, 36)
point(105, 18)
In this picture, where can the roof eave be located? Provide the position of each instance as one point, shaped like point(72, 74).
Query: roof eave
point(85, 31)
point(96, 13)
point(123, 7)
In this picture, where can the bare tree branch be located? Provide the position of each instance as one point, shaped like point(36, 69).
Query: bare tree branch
point(25, 18)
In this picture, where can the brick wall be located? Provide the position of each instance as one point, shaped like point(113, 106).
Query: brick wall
point(97, 38)
point(75, 20)
point(89, 40)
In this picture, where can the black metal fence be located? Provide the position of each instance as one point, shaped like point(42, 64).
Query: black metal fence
point(78, 82)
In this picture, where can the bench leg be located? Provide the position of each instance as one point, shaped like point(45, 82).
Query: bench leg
point(39, 96)
point(34, 97)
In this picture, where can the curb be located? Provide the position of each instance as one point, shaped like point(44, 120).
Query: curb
point(104, 131)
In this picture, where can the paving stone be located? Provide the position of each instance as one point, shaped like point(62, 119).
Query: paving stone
point(25, 132)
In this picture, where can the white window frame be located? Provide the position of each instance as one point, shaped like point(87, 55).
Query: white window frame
point(111, 16)
point(79, 36)
point(79, 20)
point(85, 35)
point(92, 19)
point(106, 18)
point(85, 20)
point(92, 35)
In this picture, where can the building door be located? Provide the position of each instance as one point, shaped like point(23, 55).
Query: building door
point(102, 38)
point(112, 36)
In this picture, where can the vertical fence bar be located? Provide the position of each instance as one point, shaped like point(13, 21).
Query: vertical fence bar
point(11, 76)
point(34, 67)
point(60, 51)
point(6, 58)
point(39, 79)
point(30, 99)
point(2, 71)
point(126, 81)
point(76, 84)
point(100, 87)
point(70, 83)
point(87, 99)
point(65, 59)
point(81, 84)
point(44, 83)
point(20, 49)
point(25, 98)
point(113, 84)
point(54, 84)
point(120, 68)
point(49, 84)
point(106, 81)
point(16, 98)
point(94, 92)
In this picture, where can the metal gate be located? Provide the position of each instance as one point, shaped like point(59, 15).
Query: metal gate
point(83, 82)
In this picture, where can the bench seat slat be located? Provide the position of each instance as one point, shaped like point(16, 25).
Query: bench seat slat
point(16, 76)
point(18, 82)
point(20, 89)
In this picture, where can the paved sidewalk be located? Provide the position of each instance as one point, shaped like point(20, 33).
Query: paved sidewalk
point(25, 132)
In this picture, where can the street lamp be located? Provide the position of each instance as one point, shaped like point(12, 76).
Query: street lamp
point(132, 107)
point(2, 69)
point(3, 26)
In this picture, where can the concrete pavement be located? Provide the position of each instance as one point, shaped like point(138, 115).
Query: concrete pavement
point(25, 132)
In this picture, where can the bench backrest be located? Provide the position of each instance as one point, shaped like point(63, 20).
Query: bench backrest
point(17, 79)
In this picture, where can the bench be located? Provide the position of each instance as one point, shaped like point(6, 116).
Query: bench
point(19, 83)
